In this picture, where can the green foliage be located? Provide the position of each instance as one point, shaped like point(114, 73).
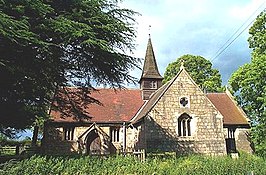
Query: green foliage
point(4, 141)
point(198, 165)
point(248, 84)
point(258, 137)
point(45, 45)
point(200, 69)
point(2, 137)
point(257, 39)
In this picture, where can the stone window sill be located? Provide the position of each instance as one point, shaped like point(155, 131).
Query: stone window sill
point(186, 138)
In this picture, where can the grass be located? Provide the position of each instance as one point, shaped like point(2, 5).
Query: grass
point(194, 164)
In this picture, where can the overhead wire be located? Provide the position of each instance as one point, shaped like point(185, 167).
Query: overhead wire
point(230, 41)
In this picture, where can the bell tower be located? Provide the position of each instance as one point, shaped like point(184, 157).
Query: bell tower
point(150, 79)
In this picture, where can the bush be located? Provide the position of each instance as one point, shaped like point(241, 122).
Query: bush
point(8, 142)
point(194, 164)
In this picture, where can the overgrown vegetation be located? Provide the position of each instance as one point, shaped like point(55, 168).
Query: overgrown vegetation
point(46, 45)
point(129, 165)
point(248, 84)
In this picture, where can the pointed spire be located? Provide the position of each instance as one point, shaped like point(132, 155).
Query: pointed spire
point(150, 68)
point(150, 79)
point(149, 31)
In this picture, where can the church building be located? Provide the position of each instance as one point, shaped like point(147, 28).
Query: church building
point(173, 117)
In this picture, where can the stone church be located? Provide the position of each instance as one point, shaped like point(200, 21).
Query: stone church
point(173, 117)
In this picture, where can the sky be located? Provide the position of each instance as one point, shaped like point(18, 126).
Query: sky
point(197, 27)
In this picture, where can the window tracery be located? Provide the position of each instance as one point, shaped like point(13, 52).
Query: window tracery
point(184, 125)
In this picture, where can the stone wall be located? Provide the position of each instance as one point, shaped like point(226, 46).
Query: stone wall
point(243, 143)
point(136, 137)
point(206, 124)
point(53, 141)
point(242, 139)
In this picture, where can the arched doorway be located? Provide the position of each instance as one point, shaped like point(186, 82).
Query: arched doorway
point(93, 143)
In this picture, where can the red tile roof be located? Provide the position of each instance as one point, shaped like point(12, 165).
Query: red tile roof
point(116, 106)
point(233, 115)
point(123, 105)
point(154, 98)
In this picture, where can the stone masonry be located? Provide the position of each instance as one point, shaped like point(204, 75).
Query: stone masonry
point(54, 143)
point(206, 124)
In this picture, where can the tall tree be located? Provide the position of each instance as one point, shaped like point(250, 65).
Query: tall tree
point(257, 39)
point(248, 84)
point(200, 70)
point(47, 44)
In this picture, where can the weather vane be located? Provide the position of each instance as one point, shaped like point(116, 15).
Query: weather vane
point(149, 30)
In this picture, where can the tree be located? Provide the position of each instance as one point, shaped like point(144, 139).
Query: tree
point(248, 84)
point(49, 44)
point(200, 69)
point(257, 39)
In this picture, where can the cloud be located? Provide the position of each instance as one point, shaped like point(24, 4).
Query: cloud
point(198, 27)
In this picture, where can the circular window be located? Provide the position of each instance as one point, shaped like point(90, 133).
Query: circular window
point(184, 101)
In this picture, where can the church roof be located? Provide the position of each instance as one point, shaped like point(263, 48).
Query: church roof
point(150, 68)
point(223, 102)
point(155, 97)
point(233, 115)
point(150, 103)
point(115, 106)
point(127, 105)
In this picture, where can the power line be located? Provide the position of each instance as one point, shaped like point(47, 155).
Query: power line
point(230, 41)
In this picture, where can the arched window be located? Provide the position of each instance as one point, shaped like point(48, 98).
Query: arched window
point(184, 125)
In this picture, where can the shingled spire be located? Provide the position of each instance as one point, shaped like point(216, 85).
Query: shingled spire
point(150, 79)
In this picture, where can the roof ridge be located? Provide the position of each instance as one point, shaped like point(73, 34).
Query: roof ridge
point(164, 88)
point(216, 93)
point(97, 88)
point(119, 88)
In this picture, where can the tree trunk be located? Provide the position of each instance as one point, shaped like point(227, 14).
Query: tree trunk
point(35, 136)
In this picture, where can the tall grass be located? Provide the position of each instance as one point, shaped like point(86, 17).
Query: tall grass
point(195, 165)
